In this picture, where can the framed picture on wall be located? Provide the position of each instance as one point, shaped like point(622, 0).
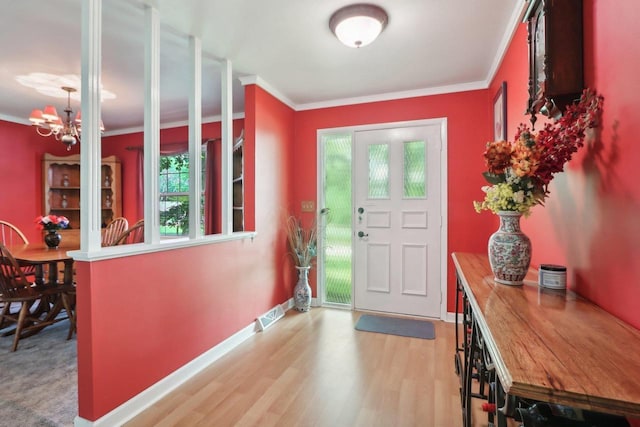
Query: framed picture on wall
point(500, 114)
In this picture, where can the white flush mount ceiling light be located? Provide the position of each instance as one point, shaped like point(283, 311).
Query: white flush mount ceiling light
point(358, 25)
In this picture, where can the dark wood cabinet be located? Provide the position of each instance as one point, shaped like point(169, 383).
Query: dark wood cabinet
point(555, 55)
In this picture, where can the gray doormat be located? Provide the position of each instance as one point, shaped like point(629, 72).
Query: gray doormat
point(397, 326)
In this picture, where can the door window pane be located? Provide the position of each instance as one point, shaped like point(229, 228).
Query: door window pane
point(337, 225)
point(414, 169)
point(378, 171)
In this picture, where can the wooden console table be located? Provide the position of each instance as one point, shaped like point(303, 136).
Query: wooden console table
point(542, 345)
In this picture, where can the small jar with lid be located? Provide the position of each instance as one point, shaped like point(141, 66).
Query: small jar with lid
point(552, 276)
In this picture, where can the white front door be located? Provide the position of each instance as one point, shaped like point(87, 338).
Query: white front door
point(397, 220)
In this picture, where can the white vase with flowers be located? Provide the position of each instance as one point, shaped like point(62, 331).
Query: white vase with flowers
point(520, 172)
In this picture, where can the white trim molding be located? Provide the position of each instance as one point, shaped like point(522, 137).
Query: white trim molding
point(258, 81)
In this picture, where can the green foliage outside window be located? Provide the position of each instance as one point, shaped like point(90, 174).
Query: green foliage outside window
point(174, 195)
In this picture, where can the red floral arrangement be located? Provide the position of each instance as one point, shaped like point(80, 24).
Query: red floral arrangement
point(51, 222)
point(520, 171)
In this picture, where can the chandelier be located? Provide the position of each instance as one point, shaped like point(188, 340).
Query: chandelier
point(47, 122)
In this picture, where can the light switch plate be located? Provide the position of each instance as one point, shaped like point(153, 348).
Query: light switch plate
point(308, 206)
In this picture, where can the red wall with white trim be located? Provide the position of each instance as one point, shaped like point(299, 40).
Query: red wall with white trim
point(145, 316)
point(468, 129)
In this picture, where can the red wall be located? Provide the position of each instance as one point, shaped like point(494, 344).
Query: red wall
point(145, 316)
point(590, 221)
point(21, 174)
point(469, 128)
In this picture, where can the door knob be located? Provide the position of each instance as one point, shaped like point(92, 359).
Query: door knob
point(362, 234)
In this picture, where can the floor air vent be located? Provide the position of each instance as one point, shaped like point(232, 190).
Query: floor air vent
point(270, 317)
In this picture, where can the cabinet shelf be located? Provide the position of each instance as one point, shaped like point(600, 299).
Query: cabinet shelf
point(238, 183)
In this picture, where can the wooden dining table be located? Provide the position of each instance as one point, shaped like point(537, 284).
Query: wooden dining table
point(39, 256)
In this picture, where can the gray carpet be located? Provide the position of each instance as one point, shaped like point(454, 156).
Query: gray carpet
point(38, 383)
point(397, 326)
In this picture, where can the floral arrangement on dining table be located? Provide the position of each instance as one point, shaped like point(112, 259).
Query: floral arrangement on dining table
point(52, 222)
point(520, 171)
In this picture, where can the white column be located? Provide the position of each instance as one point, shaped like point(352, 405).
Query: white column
point(195, 137)
point(226, 81)
point(90, 148)
point(151, 124)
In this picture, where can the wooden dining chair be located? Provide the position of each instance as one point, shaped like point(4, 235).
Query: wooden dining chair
point(134, 234)
point(11, 235)
point(15, 288)
point(114, 230)
point(46, 300)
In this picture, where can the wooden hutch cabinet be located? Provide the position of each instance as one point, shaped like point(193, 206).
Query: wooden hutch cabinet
point(61, 190)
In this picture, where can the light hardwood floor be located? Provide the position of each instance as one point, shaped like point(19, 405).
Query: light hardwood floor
point(315, 369)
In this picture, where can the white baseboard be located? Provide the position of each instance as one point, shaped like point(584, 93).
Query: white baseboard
point(157, 391)
point(451, 317)
point(288, 304)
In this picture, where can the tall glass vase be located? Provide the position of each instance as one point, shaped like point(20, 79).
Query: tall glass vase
point(509, 250)
point(302, 290)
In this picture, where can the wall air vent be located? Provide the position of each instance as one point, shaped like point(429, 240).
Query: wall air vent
point(270, 317)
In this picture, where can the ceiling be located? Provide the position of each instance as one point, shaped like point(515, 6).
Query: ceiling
point(428, 46)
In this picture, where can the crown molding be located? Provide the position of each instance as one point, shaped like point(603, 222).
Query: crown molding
point(258, 81)
point(439, 90)
point(136, 129)
point(14, 119)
